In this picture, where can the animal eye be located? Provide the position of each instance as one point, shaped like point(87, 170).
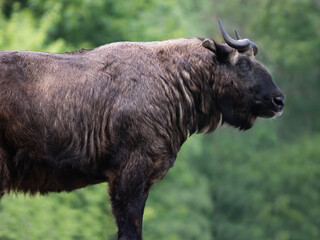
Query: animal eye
point(243, 65)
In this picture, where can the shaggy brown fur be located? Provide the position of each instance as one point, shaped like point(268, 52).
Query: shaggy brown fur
point(120, 113)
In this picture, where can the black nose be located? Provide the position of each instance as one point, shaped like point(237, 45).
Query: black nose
point(278, 102)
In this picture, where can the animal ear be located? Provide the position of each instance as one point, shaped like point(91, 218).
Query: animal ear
point(209, 44)
point(222, 52)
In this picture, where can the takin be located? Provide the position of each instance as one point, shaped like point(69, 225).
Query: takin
point(119, 113)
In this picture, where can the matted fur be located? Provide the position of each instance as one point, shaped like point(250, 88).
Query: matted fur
point(118, 113)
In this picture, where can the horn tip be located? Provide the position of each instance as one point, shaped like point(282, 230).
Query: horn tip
point(237, 35)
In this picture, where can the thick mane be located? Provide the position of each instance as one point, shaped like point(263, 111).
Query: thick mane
point(184, 66)
point(190, 69)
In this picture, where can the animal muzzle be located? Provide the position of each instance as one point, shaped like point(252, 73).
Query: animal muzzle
point(278, 103)
point(274, 104)
point(270, 106)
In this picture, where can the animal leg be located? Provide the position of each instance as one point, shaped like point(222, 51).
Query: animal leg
point(127, 197)
point(4, 174)
point(144, 200)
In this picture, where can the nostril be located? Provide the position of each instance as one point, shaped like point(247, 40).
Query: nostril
point(279, 102)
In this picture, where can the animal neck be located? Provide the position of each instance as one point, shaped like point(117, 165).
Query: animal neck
point(190, 70)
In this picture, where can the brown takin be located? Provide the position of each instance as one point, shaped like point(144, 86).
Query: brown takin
point(119, 113)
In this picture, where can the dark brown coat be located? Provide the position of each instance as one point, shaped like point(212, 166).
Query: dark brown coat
point(120, 113)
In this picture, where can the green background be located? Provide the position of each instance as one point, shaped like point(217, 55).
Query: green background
point(262, 184)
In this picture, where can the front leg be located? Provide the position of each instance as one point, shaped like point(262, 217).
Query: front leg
point(127, 191)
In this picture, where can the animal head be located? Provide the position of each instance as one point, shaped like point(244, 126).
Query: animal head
point(244, 88)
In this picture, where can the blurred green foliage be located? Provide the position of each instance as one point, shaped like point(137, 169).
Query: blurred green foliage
point(262, 184)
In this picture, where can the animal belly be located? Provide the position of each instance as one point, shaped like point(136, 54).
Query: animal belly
point(44, 178)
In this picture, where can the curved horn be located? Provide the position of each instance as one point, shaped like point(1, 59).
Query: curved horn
point(241, 45)
point(254, 47)
point(237, 35)
point(252, 44)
